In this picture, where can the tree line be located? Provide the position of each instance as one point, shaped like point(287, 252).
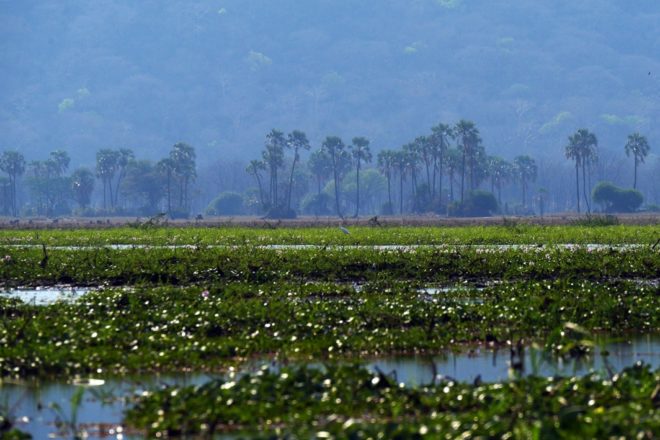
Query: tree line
point(445, 171)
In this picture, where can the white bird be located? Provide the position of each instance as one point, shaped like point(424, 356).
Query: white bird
point(344, 230)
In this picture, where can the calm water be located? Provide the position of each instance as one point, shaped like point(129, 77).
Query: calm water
point(102, 408)
point(46, 295)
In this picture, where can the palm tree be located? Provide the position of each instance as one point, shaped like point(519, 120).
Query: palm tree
point(500, 171)
point(468, 135)
point(58, 162)
point(386, 162)
point(254, 169)
point(297, 141)
point(424, 149)
point(526, 170)
point(12, 163)
point(400, 162)
point(165, 167)
point(82, 184)
point(334, 147)
point(572, 152)
point(361, 153)
point(319, 164)
point(183, 158)
point(582, 149)
point(453, 160)
point(106, 166)
point(273, 156)
point(411, 156)
point(638, 146)
point(439, 144)
point(124, 157)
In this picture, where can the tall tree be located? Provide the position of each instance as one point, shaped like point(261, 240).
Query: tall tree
point(582, 149)
point(58, 163)
point(361, 153)
point(254, 169)
point(333, 146)
point(526, 170)
point(467, 135)
point(165, 168)
point(142, 186)
point(320, 165)
point(453, 160)
point(296, 141)
point(424, 149)
point(124, 157)
point(500, 171)
point(638, 146)
point(106, 167)
point(183, 159)
point(439, 144)
point(82, 185)
point(412, 157)
point(386, 163)
point(400, 162)
point(12, 163)
point(273, 156)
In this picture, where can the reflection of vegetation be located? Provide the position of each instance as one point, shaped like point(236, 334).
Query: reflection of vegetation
point(68, 423)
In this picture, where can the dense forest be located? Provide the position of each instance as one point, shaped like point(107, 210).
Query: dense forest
point(131, 83)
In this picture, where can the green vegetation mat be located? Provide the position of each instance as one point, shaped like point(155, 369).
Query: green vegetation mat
point(175, 329)
point(513, 233)
point(228, 299)
point(183, 266)
point(354, 403)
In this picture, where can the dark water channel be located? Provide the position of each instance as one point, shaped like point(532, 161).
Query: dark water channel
point(101, 411)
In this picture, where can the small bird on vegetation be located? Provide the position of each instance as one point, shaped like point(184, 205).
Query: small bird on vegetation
point(344, 230)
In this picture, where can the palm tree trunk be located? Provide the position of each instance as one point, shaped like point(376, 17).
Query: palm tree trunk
point(401, 192)
point(451, 185)
point(169, 192)
point(288, 196)
point(635, 181)
point(435, 169)
point(357, 199)
point(111, 198)
point(389, 190)
point(463, 176)
point(14, 209)
point(577, 184)
point(584, 187)
point(440, 177)
point(334, 173)
point(261, 191)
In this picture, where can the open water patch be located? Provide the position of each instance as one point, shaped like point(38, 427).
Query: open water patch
point(496, 365)
point(46, 295)
point(104, 402)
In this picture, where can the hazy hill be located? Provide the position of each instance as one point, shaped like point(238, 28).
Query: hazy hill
point(218, 74)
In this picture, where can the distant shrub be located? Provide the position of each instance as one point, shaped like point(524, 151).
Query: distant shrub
point(227, 203)
point(316, 204)
point(477, 204)
point(615, 199)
